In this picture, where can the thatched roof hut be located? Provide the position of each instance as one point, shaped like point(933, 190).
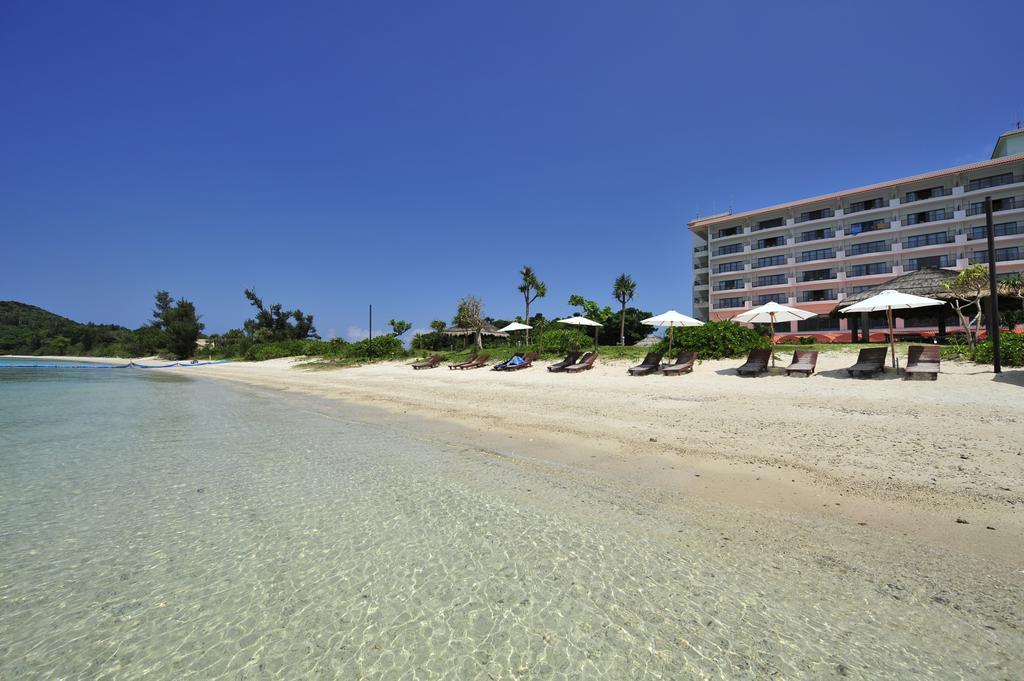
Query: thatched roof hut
point(487, 330)
point(928, 282)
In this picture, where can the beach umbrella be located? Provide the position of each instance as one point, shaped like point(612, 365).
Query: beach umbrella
point(671, 319)
point(772, 312)
point(582, 321)
point(515, 326)
point(890, 300)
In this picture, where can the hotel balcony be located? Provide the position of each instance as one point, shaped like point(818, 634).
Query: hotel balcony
point(998, 205)
point(927, 216)
point(1001, 229)
point(925, 194)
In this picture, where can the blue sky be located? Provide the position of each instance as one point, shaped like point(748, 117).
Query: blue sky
point(406, 154)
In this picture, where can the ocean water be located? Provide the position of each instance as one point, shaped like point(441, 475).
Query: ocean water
point(158, 526)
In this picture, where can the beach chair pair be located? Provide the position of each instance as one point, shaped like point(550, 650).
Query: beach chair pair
point(652, 363)
point(474, 362)
point(431, 362)
point(804, 362)
point(573, 363)
point(528, 360)
point(922, 360)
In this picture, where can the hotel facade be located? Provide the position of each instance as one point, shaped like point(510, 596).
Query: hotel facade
point(815, 252)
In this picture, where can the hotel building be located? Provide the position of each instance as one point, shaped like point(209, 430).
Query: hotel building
point(814, 252)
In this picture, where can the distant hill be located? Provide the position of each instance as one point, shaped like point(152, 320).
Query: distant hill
point(31, 330)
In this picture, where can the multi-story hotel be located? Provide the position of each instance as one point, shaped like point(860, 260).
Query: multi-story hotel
point(814, 252)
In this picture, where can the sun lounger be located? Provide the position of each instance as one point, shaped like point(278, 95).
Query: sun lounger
point(804, 361)
point(569, 360)
point(923, 359)
point(683, 364)
point(650, 364)
point(757, 362)
point(502, 365)
point(429, 363)
point(480, 361)
point(528, 361)
point(869, 361)
point(457, 365)
point(585, 363)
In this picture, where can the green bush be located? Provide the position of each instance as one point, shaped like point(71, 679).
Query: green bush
point(562, 341)
point(286, 348)
point(1011, 347)
point(716, 340)
point(381, 347)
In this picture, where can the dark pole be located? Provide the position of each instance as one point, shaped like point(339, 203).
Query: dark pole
point(993, 285)
point(369, 333)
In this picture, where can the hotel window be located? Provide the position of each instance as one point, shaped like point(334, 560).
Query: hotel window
point(915, 264)
point(771, 242)
point(731, 248)
point(771, 261)
point(816, 234)
point(816, 215)
point(728, 231)
point(779, 298)
point(869, 247)
point(991, 181)
point(769, 224)
point(933, 239)
point(817, 275)
point(729, 285)
point(815, 296)
point(772, 280)
point(734, 266)
point(922, 194)
point(869, 226)
point(870, 268)
point(729, 302)
point(818, 323)
point(1002, 254)
point(1000, 229)
point(818, 254)
point(870, 204)
point(1008, 203)
point(927, 216)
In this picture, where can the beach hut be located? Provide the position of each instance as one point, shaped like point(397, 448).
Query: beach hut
point(486, 330)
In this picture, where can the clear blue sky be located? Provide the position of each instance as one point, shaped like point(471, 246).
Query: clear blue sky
point(406, 154)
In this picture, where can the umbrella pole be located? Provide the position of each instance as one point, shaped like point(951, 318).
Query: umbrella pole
point(771, 317)
point(595, 339)
point(671, 329)
point(892, 339)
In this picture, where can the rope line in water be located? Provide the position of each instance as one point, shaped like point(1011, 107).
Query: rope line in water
point(129, 365)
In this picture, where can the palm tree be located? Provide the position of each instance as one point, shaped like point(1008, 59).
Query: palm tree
point(624, 290)
point(532, 289)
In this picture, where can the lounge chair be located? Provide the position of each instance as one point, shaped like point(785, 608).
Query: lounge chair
point(923, 359)
point(480, 361)
point(757, 362)
point(528, 361)
point(502, 365)
point(457, 365)
point(569, 360)
point(431, 362)
point(650, 364)
point(869, 361)
point(683, 364)
point(585, 363)
point(804, 361)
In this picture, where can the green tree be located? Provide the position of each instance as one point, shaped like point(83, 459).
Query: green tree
point(590, 309)
point(182, 328)
point(274, 323)
point(532, 288)
point(1013, 287)
point(624, 289)
point(470, 315)
point(970, 287)
point(399, 326)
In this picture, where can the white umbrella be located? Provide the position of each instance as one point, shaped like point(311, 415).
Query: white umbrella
point(772, 312)
point(582, 321)
point(890, 300)
point(671, 319)
point(515, 326)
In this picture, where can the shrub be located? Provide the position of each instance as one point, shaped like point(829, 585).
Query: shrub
point(562, 341)
point(381, 347)
point(716, 340)
point(1011, 347)
point(286, 348)
point(808, 340)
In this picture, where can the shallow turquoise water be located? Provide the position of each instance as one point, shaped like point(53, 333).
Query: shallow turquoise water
point(157, 525)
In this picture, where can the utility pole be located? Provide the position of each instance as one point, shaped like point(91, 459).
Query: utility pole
point(993, 285)
point(369, 333)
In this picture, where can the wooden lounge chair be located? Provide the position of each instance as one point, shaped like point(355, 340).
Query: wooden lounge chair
point(923, 359)
point(683, 364)
point(431, 362)
point(650, 364)
point(757, 362)
point(480, 361)
point(502, 365)
point(869, 361)
point(528, 361)
point(804, 361)
point(585, 363)
point(569, 360)
point(456, 365)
